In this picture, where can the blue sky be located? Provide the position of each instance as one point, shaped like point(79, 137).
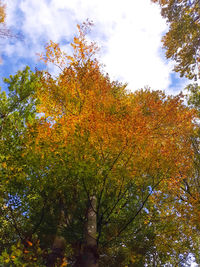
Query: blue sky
point(129, 33)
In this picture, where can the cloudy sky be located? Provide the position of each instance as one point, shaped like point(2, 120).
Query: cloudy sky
point(129, 33)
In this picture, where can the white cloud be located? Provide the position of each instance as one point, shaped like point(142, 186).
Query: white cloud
point(128, 31)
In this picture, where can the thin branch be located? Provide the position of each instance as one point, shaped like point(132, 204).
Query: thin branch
point(41, 219)
point(100, 221)
point(14, 222)
point(118, 199)
point(136, 214)
point(106, 176)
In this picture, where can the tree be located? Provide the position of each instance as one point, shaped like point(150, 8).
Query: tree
point(93, 160)
point(182, 39)
point(191, 185)
point(109, 137)
point(16, 110)
point(2, 12)
point(4, 31)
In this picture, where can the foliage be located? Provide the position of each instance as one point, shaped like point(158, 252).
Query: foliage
point(191, 186)
point(105, 136)
point(69, 138)
point(194, 96)
point(182, 39)
point(23, 255)
point(16, 110)
point(182, 44)
point(2, 12)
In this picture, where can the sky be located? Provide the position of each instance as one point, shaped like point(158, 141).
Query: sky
point(128, 33)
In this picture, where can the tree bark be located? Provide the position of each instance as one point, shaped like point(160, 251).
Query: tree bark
point(89, 256)
point(56, 257)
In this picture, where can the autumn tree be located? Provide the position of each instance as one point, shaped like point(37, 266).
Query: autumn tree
point(2, 12)
point(182, 45)
point(5, 32)
point(182, 39)
point(118, 148)
point(92, 165)
point(191, 192)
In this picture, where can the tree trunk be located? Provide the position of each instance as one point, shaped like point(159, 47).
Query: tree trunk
point(89, 256)
point(56, 257)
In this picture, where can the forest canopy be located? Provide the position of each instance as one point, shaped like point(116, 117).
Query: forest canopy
point(93, 174)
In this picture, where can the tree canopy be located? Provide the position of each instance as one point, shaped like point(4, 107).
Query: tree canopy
point(2, 12)
point(92, 174)
point(182, 39)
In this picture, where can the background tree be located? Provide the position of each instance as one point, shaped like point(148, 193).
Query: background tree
point(2, 12)
point(5, 32)
point(16, 110)
point(182, 41)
